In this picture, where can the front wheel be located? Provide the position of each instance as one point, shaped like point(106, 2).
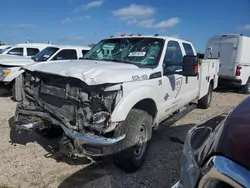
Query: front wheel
point(205, 101)
point(138, 130)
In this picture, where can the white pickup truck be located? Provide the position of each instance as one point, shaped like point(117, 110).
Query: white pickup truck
point(23, 49)
point(10, 67)
point(108, 103)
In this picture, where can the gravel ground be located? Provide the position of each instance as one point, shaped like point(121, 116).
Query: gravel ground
point(29, 160)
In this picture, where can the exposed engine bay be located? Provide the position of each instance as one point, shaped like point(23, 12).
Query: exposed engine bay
point(50, 100)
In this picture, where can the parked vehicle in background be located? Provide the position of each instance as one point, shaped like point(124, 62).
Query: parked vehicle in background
point(61, 52)
point(216, 153)
point(10, 67)
point(233, 52)
point(108, 103)
point(25, 49)
point(4, 48)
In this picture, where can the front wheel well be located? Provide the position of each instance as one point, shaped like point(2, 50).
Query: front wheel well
point(147, 105)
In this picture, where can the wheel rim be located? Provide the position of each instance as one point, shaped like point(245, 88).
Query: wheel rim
point(141, 142)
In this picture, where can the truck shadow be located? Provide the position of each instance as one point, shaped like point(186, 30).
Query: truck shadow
point(161, 167)
point(50, 145)
point(228, 90)
point(5, 92)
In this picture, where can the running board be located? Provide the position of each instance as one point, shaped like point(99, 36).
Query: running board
point(177, 116)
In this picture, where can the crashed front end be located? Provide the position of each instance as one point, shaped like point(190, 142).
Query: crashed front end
point(82, 111)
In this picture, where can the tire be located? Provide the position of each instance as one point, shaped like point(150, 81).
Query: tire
point(133, 149)
point(246, 88)
point(205, 102)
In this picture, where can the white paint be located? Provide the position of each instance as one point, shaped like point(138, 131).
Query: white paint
point(100, 72)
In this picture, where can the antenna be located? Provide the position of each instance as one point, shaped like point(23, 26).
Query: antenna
point(93, 36)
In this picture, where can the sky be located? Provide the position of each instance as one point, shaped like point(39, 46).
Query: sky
point(82, 22)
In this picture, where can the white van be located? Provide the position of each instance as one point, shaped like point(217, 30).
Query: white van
point(233, 52)
point(25, 49)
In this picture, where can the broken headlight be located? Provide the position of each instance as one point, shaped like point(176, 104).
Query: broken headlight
point(101, 117)
point(109, 98)
point(114, 93)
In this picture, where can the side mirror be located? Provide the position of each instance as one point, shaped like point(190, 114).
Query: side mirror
point(190, 66)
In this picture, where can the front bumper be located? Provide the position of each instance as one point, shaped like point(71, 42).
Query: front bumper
point(229, 81)
point(88, 144)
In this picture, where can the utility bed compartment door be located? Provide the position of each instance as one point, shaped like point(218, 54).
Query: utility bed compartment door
point(209, 70)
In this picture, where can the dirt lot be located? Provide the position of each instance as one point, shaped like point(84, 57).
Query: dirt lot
point(29, 160)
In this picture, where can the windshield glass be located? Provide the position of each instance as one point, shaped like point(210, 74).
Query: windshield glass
point(45, 54)
point(4, 49)
point(139, 51)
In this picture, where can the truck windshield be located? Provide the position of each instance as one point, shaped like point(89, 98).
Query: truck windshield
point(45, 54)
point(4, 49)
point(140, 51)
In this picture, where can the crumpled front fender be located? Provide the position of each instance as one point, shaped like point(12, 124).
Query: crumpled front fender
point(130, 100)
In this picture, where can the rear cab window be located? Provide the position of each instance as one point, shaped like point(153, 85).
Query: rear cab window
point(32, 51)
point(188, 48)
point(66, 54)
point(16, 51)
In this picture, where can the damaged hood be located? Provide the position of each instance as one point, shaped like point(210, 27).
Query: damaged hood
point(93, 72)
point(11, 60)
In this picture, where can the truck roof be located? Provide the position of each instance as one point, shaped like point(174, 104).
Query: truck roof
point(43, 45)
point(228, 35)
point(69, 46)
point(31, 45)
point(152, 36)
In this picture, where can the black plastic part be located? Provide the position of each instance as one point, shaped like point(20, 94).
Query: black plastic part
point(189, 64)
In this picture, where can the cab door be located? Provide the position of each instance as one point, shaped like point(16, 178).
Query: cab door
point(173, 83)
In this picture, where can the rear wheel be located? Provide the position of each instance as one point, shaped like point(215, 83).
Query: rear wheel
point(205, 101)
point(133, 150)
point(246, 88)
